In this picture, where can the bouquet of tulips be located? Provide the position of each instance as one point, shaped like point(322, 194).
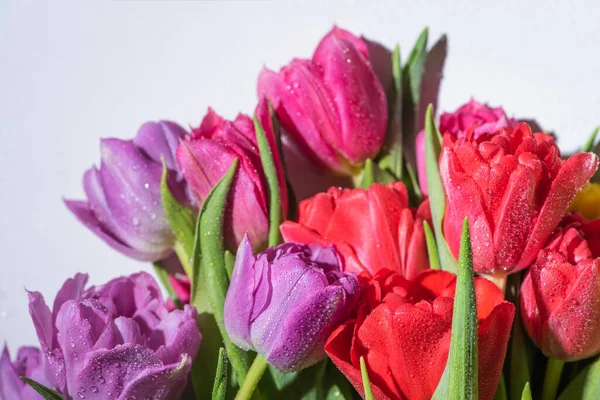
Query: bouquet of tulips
point(338, 244)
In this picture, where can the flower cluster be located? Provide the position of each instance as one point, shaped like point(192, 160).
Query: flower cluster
point(400, 276)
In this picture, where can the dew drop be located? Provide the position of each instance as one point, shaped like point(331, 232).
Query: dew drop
point(94, 389)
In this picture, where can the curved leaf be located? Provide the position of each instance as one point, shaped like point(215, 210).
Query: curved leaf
point(46, 393)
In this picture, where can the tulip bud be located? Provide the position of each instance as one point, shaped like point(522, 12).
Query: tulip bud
point(123, 205)
point(333, 106)
point(284, 302)
point(205, 157)
point(514, 187)
point(114, 341)
point(560, 296)
point(403, 330)
point(482, 118)
point(371, 229)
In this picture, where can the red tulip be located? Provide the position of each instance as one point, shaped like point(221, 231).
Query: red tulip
point(205, 157)
point(333, 106)
point(371, 229)
point(560, 296)
point(514, 187)
point(403, 331)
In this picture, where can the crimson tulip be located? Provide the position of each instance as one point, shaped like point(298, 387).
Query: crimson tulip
point(403, 330)
point(205, 157)
point(371, 229)
point(514, 187)
point(560, 296)
point(332, 106)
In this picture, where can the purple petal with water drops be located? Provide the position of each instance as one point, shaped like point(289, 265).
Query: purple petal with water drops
point(176, 334)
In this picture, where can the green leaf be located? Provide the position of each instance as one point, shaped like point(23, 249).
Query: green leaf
point(372, 173)
point(526, 392)
point(181, 220)
point(268, 164)
point(589, 145)
point(205, 364)
point(519, 363)
point(412, 185)
point(434, 257)
point(163, 276)
point(459, 381)
point(229, 262)
point(220, 385)
point(501, 391)
point(412, 75)
point(209, 263)
point(586, 385)
point(365, 378)
point(437, 198)
point(392, 159)
point(413, 70)
point(46, 393)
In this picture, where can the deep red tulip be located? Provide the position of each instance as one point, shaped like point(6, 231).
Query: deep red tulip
point(514, 187)
point(371, 229)
point(560, 296)
point(403, 331)
point(333, 105)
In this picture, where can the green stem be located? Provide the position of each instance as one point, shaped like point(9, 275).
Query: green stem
point(256, 371)
point(184, 258)
point(552, 378)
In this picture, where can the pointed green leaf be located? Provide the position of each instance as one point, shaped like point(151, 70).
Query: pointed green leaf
point(209, 263)
point(434, 257)
point(412, 76)
point(501, 391)
point(527, 392)
point(589, 145)
point(181, 220)
point(270, 169)
point(459, 381)
point(204, 366)
point(46, 393)
point(413, 70)
point(368, 175)
point(437, 198)
point(586, 385)
point(392, 159)
point(365, 378)
point(220, 384)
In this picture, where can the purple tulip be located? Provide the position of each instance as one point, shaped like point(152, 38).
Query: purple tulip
point(28, 363)
point(123, 204)
point(114, 341)
point(333, 106)
point(205, 157)
point(285, 302)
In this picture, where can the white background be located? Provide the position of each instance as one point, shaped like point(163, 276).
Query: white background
point(72, 72)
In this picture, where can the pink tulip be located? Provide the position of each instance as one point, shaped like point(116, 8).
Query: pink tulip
point(483, 118)
point(205, 157)
point(332, 106)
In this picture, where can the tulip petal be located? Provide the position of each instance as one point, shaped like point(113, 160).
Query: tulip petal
point(572, 329)
point(494, 332)
point(176, 334)
point(358, 95)
point(463, 198)
point(574, 173)
point(10, 384)
point(159, 140)
point(42, 320)
point(239, 301)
